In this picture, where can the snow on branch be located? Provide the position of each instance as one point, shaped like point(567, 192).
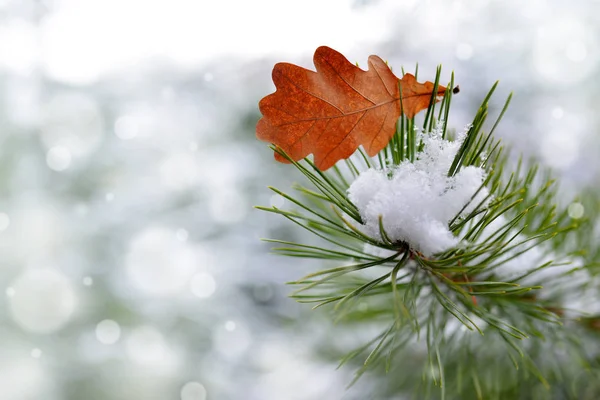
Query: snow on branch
point(416, 201)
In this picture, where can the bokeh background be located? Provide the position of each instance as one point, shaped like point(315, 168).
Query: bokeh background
point(130, 259)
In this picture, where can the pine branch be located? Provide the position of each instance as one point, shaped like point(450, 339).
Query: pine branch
point(481, 305)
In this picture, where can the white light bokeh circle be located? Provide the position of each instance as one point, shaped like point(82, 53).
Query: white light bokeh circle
point(558, 112)
point(182, 234)
point(203, 285)
point(230, 326)
point(464, 51)
point(158, 263)
point(126, 127)
point(227, 206)
point(559, 150)
point(43, 300)
point(82, 209)
point(277, 201)
point(108, 331)
point(58, 158)
point(193, 391)
point(576, 210)
point(147, 347)
point(179, 171)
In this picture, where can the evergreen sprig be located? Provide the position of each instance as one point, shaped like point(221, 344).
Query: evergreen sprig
point(438, 300)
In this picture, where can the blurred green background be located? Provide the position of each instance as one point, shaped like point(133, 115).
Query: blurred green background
point(129, 249)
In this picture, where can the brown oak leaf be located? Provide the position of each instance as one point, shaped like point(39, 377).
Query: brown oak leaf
point(331, 112)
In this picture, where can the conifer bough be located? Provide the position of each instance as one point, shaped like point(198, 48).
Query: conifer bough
point(436, 237)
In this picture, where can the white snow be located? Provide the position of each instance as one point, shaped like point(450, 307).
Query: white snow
point(417, 200)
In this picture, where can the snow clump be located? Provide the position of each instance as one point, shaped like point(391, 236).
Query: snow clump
point(418, 200)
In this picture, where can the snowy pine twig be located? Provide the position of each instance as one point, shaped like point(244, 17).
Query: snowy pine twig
point(439, 240)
